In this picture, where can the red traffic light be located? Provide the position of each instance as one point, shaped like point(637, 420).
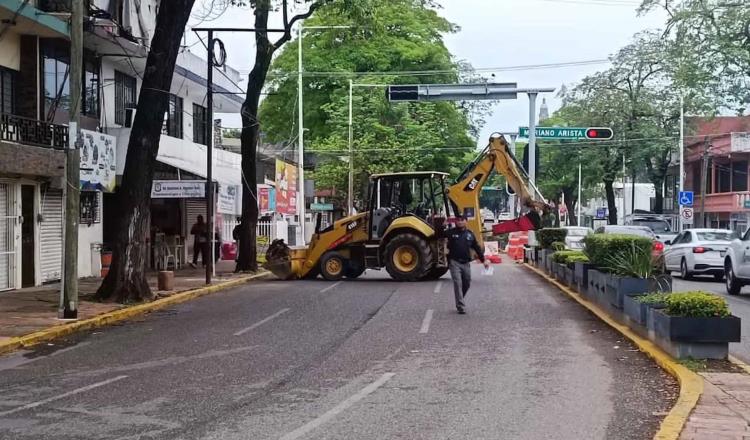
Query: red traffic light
point(599, 133)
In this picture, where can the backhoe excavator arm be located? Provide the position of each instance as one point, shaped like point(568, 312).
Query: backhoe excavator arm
point(464, 195)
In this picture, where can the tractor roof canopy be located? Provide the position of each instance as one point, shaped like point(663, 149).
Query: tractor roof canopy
point(408, 174)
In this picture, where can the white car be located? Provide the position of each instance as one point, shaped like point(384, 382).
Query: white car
point(737, 264)
point(699, 252)
point(575, 236)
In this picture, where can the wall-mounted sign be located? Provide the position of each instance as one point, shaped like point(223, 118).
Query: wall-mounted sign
point(178, 189)
point(227, 202)
point(98, 166)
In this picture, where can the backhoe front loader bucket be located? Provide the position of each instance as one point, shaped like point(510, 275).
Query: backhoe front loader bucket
point(283, 261)
point(528, 222)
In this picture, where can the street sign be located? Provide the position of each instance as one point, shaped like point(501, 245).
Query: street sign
point(686, 198)
point(746, 205)
point(687, 215)
point(321, 207)
point(601, 133)
point(601, 213)
point(452, 92)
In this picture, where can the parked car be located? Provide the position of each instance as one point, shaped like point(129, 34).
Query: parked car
point(658, 225)
point(504, 216)
point(641, 231)
point(576, 234)
point(488, 216)
point(737, 264)
point(699, 252)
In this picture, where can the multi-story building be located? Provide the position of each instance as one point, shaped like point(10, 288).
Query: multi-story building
point(34, 101)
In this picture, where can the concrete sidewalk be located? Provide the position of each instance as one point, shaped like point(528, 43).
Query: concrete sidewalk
point(32, 309)
point(723, 411)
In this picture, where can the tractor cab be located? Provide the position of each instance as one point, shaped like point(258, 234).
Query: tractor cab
point(411, 194)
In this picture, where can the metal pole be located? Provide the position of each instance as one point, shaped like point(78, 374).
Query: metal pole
point(579, 194)
point(351, 152)
point(301, 135)
point(532, 139)
point(69, 297)
point(623, 189)
point(209, 157)
point(682, 155)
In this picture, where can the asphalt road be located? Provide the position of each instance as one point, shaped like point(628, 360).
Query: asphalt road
point(366, 359)
point(738, 305)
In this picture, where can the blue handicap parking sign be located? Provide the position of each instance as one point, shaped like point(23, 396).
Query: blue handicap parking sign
point(686, 198)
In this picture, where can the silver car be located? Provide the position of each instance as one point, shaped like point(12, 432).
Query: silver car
point(699, 252)
point(576, 234)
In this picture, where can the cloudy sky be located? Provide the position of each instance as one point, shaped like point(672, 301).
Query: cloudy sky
point(499, 34)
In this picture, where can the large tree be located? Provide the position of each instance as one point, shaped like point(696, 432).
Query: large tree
point(126, 280)
point(400, 36)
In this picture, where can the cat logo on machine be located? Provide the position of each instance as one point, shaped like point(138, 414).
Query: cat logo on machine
point(471, 186)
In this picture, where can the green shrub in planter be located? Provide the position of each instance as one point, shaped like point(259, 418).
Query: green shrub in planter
point(548, 236)
point(654, 298)
point(578, 257)
point(605, 251)
point(695, 305)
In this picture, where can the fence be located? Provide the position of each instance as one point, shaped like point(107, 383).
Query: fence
point(265, 234)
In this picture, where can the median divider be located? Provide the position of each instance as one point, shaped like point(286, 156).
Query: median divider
point(691, 384)
point(125, 313)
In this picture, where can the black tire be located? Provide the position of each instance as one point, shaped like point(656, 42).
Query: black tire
point(734, 286)
point(332, 266)
point(435, 273)
point(354, 269)
point(421, 257)
point(684, 272)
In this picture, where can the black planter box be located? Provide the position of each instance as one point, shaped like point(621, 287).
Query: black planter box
point(570, 277)
point(582, 277)
point(635, 310)
point(597, 284)
point(560, 272)
point(617, 287)
point(683, 329)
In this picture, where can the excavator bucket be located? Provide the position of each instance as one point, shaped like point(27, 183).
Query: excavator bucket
point(528, 222)
point(279, 260)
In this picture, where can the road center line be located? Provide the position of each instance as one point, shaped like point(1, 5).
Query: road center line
point(261, 322)
point(438, 286)
point(330, 287)
point(338, 409)
point(62, 396)
point(426, 322)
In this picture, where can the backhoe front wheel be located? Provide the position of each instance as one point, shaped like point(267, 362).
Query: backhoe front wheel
point(332, 266)
point(408, 257)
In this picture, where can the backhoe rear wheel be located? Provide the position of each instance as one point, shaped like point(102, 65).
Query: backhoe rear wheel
point(332, 266)
point(408, 257)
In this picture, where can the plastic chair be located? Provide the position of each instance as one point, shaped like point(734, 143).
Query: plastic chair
point(175, 248)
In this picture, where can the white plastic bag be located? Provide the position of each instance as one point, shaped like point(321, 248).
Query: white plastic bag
point(488, 271)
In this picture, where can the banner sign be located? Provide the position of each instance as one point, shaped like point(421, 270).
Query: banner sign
point(286, 188)
point(227, 202)
point(266, 199)
point(98, 166)
point(178, 189)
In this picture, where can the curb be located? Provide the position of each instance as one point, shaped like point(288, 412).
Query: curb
point(114, 316)
point(691, 384)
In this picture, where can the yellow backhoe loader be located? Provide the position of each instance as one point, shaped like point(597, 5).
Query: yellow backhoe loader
point(403, 228)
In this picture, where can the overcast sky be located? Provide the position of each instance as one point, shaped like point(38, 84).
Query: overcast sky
point(503, 33)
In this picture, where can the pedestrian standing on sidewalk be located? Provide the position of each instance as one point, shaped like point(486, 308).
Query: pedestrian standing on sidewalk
point(200, 241)
point(461, 242)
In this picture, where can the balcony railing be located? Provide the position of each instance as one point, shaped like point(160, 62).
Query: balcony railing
point(33, 132)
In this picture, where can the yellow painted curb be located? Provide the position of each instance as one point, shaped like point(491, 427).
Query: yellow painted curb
point(691, 384)
point(58, 331)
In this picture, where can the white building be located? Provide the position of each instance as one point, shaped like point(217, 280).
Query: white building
point(34, 95)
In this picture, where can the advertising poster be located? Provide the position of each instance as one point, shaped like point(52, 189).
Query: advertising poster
point(98, 167)
point(286, 188)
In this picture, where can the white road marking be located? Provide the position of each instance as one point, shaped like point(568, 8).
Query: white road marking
point(330, 287)
point(261, 322)
point(426, 322)
point(62, 396)
point(338, 409)
point(438, 286)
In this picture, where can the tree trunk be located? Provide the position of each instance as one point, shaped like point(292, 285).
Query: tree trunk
point(659, 196)
point(248, 256)
point(570, 204)
point(126, 280)
point(611, 204)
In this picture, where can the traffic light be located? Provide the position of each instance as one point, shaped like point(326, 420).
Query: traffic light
point(402, 93)
point(600, 133)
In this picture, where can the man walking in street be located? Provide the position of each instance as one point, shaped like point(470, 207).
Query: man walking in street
point(461, 242)
point(200, 241)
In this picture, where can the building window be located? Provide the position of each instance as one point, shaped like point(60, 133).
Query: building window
point(200, 132)
point(7, 91)
point(739, 175)
point(56, 71)
point(125, 95)
point(89, 207)
point(173, 119)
